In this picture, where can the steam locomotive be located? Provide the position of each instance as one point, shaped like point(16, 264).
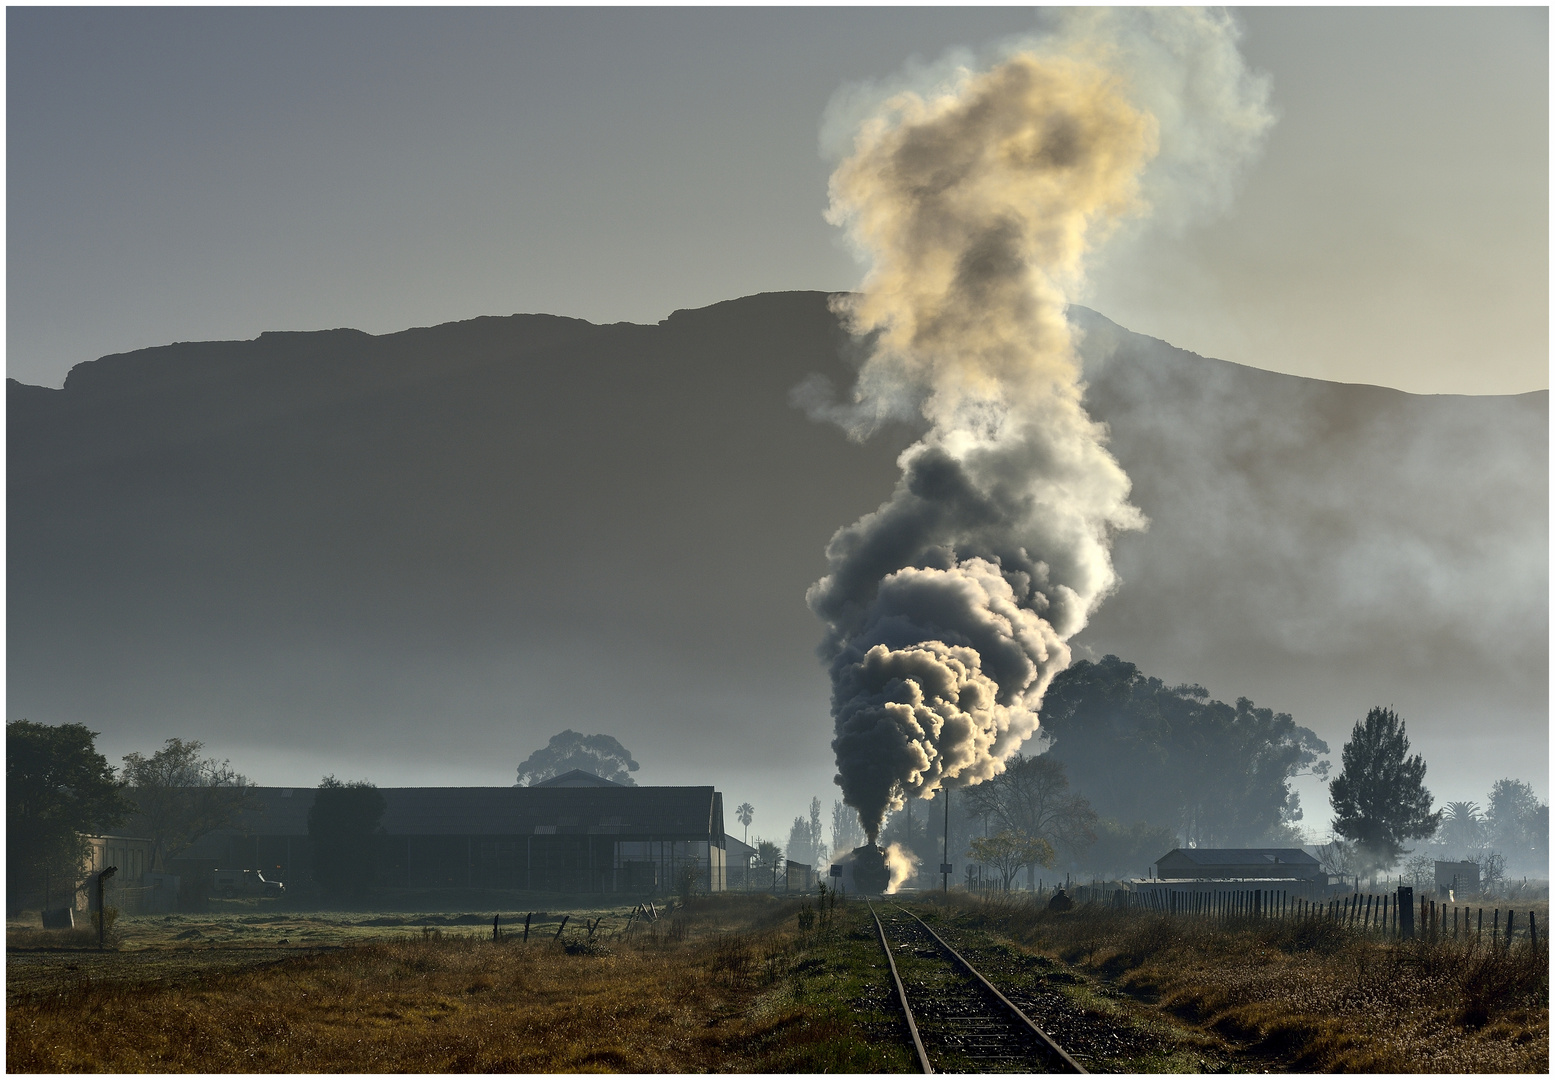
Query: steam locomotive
point(870, 873)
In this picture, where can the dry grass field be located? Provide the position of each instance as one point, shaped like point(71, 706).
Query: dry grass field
point(734, 985)
point(725, 986)
point(1308, 996)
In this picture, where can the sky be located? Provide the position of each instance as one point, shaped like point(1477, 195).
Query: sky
point(206, 174)
point(197, 174)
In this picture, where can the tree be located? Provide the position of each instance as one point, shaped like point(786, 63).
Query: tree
point(769, 857)
point(846, 833)
point(817, 838)
point(1420, 870)
point(57, 788)
point(1463, 827)
point(1126, 850)
point(1009, 851)
point(1379, 797)
point(1213, 774)
point(744, 814)
point(180, 796)
point(1340, 859)
point(1031, 796)
point(798, 849)
point(1517, 823)
point(601, 755)
point(1492, 869)
point(343, 826)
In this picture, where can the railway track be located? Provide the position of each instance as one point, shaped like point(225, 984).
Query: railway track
point(958, 1020)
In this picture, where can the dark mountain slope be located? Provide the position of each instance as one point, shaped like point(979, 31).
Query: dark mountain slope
point(476, 534)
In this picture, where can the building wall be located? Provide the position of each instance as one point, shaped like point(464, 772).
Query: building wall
point(576, 863)
point(127, 889)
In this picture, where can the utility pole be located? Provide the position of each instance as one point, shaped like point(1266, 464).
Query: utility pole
point(944, 866)
point(102, 911)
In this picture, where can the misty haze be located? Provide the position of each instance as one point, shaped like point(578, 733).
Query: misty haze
point(316, 543)
point(1056, 581)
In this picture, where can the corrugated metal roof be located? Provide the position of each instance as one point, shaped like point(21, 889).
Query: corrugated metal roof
point(662, 812)
point(1240, 856)
point(577, 778)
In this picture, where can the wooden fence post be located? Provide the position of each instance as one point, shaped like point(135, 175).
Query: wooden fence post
point(527, 917)
point(1406, 912)
point(562, 927)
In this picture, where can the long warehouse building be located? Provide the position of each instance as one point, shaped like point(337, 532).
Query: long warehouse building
point(575, 833)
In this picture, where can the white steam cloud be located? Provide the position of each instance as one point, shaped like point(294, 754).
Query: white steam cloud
point(976, 204)
point(903, 866)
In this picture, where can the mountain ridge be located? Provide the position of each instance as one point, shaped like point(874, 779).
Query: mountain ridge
point(483, 526)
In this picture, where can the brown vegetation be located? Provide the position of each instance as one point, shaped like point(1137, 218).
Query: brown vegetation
point(753, 984)
point(1309, 995)
point(689, 993)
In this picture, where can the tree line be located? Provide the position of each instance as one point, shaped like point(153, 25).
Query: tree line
point(60, 790)
point(1130, 768)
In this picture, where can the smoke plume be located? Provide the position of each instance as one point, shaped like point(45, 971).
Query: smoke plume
point(976, 205)
point(903, 864)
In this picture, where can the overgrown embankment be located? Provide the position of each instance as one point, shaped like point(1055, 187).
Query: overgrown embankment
point(1312, 995)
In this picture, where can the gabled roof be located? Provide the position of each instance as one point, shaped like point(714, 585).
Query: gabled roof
point(577, 778)
point(737, 849)
point(1239, 856)
point(662, 813)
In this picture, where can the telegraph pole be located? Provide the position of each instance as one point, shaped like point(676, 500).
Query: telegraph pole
point(944, 866)
point(102, 910)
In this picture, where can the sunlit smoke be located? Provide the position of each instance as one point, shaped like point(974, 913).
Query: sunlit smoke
point(976, 205)
point(903, 865)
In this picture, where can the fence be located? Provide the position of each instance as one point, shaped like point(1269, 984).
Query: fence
point(1386, 915)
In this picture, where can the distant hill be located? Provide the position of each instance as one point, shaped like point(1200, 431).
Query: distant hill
point(437, 537)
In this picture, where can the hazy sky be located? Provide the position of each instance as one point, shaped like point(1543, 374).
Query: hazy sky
point(205, 174)
point(182, 174)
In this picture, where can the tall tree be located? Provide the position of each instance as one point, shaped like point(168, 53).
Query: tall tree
point(1032, 797)
point(343, 828)
point(800, 848)
point(1517, 824)
point(817, 837)
point(745, 813)
point(601, 755)
point(846, 834)
point(57, 788)
point(1214, 774)
point(180, 796)
point(1379, 797)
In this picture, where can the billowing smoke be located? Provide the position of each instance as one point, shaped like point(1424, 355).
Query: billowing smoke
point(976, 205)
point(903, 865)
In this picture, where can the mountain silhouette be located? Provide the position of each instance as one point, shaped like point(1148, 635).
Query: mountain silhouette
point(507, 526)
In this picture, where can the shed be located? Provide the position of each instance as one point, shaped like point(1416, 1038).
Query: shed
point(577, 833)
point(1460, 877)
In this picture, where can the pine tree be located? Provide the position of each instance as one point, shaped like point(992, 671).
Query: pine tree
point(1379, 797)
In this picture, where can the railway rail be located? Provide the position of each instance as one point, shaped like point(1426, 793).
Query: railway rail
point(958, 1020)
